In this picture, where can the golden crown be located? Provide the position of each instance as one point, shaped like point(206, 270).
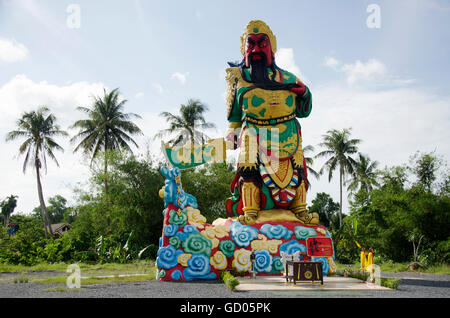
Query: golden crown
point(255, 27)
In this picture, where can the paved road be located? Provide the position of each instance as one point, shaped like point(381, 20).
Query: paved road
point(412, 286)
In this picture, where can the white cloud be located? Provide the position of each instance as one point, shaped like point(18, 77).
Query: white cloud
point(139, 95)
point(181, 77)
point(22, 94)
point(359, 71)
point(285, 59)
point(364, 71)
point(11, 51)
point(332, 62)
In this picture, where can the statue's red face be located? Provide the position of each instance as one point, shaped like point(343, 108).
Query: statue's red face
point(256, 44)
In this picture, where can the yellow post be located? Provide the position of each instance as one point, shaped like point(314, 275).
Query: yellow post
point(363, 260)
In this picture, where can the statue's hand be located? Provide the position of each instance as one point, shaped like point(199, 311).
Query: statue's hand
point(300, 90)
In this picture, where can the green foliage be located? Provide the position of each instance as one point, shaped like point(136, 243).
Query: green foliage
point(38, 128)
point(327, 209)
point(338, 148)
point(7, 207)
point(57, 210)
point(106, 128)
point(424, 167)
point(210, 184)
point(131, 205)
point(230, 281)
point(345, 241)
point(185, 126)
point(28, 244)
point(401, 222)
point(364, 176)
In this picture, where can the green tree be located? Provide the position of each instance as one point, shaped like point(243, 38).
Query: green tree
point(425, 166)
point(38, 128)
point(107, 128)
point(132, 204)
point(57, 209)
point(364, 175)
point(310, 161)
point(210, 184)
point(7, 207)
point(403, 222)
point(327, 209)
point(338, 148)
point(188, 125)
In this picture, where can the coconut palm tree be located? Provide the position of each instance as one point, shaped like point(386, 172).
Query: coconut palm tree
point(38, 128)
point(186, 125)
point(310, 161)
point(338, 148)
point(106, 128)
point(364, 176)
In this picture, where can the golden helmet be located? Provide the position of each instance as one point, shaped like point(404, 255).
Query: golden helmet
point(255, 27)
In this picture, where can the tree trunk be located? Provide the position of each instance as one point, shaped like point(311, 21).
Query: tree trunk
point(108, 220)
point(45, 218)
point(106, 165)
point(340, 197)
point(106, 173)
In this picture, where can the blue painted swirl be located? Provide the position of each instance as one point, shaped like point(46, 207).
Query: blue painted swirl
point(291, 247)
point(242, 235)
point(168, 257)
point(275, 231)
point(198, 268)
point(263, 261)
point(170, 230)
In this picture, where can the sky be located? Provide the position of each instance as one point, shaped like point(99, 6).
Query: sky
point(379, 67)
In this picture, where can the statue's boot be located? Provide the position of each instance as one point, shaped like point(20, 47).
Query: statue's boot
point(298, 207)
point(250, 202)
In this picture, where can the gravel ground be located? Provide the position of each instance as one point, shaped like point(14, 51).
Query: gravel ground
point(412, 286)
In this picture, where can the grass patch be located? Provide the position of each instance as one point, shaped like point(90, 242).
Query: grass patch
point(98, 279)
point(117, 279)
point(387, 282)
point(21, 279)
point(391, 283)
point(60, 289)
point(401, 267)
point(134, 267)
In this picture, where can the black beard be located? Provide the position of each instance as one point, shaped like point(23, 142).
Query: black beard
point(259, 76)
point(258, 69)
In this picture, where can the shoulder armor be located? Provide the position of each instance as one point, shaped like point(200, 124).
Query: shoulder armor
point(233, 75)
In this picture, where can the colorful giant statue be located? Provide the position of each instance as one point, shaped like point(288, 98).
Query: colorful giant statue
point(263, 104)
point(268, 222)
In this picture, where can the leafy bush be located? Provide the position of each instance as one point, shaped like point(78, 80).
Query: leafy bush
point(230, 281)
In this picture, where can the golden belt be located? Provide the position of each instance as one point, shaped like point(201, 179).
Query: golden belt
point(269, 122)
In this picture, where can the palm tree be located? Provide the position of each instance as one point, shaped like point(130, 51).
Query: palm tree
point(38, 128)
point(310, 161)
point(185, 125)
point(107, 128)
point(365, 175)
point(338, 148)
